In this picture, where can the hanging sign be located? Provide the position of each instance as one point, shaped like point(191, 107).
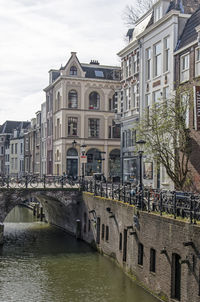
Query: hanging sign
point(197, 107)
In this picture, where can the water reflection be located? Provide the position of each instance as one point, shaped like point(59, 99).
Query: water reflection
point(40, 263)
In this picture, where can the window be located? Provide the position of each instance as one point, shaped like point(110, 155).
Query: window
point(15, 148)
point(140, 253)
point(57, 105)
point(16, 166)
point(166, 93)
point(102, 231)
point(99, 73)
point(72, 126)
point(12, 163)
point(184, 68)
point(126, 69)
point(152, 260)
point(2, 150)
point(134, 90)
point(21, 148)
point(107, 233)
point(157, 59)
point(57, 129)
point(156, 96)
point(157, 13)
point(197, 67)
point(114, 130)
point(120, 241)
point(93, 127)
point(113, 103)
point(148, 64)
point(130, 65)
point(166, 54)
point(94, 100)
point(73, 99)
point(73, 70)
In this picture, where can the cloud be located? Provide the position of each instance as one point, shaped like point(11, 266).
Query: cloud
point(37, 35)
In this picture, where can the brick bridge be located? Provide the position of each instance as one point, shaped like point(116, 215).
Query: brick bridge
point(61, 206)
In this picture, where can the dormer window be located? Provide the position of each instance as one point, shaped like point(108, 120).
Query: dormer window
point(73, 70)
point(157, 13)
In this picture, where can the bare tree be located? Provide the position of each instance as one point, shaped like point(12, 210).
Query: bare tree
point(132, 13)
point(167, 135)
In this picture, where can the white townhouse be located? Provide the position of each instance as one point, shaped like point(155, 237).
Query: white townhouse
point(158, 42)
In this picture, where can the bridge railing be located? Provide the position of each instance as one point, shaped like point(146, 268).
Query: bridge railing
point(185, 205)
point(35, 181)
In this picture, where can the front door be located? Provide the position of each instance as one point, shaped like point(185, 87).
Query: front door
point(72, 167)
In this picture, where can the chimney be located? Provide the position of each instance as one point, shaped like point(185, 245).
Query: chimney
point(94, 62)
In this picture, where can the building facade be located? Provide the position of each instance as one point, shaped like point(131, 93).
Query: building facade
point(86, 139)
point(7, 132)
point(151, 47)
point(187, 78)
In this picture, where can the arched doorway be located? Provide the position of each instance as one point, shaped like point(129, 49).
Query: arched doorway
point(94, 162)
point(72, 163)
point(114, 165)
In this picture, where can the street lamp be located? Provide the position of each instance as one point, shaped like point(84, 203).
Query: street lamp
point(83, 157)
point(74, 143)
point(141, 144)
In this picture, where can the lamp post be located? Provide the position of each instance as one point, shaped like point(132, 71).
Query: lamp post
point(141, 144)
point(74, 143)
point(83, 163)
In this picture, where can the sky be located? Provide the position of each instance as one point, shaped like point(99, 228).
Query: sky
point(39, 35)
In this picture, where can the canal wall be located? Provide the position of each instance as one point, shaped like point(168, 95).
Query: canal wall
point(160, 252)
point(62, 208)
point(163, 254)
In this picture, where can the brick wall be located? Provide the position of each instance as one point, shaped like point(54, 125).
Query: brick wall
point(194, 163)
point(153, 231)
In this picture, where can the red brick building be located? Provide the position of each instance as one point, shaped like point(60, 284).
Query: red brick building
point(187, 74)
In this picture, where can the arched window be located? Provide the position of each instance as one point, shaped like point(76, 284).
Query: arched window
point(73, 70)
point(73, 99)
point(72, 152)
point(94, 100)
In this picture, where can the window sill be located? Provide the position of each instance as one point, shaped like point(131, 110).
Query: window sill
point(185, 81)
point(93, 137)
point(156, 77)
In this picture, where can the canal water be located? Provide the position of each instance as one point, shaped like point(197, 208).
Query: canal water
point(41, 263)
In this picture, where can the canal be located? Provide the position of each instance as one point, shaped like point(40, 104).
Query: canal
point(41, 263)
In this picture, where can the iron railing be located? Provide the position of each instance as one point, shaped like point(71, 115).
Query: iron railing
point(173, 203)
point(35, 181)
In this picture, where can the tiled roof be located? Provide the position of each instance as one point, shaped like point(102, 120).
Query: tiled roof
point(98, 72)
point(189, 33)
point(184, 6)
point(9, 126)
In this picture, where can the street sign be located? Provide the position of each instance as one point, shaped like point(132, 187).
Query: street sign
point(83, 159)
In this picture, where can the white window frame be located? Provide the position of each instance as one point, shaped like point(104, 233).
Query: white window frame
point(184, 67)
point(197, 61)
point(166, 54)
point(155, 99)
point(157, 60)
point(157, 13)
point(148, 63)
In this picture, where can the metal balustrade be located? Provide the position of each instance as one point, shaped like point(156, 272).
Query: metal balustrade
point(172, 203)
point(35, 181)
